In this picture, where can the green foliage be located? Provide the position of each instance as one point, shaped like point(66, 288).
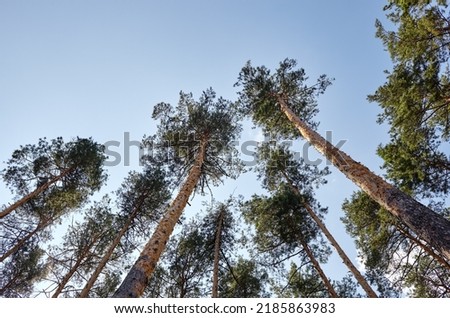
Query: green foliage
point(82, 246)
point(181, 130)
point(31, 165)
point(347, 287)
point(72, 171)
point(417, 168)
point(142, 197)
point(245, 279)
point(415, 99)
point(108, 285)
point(282, 225)
point(303, 282)
point(185, 265)
point(278, 165)
point(373, 227)
point(261, 90)
point(376, 237)
point(393, 257)
point(426, 278)
point(21, 271)
point(210, 225)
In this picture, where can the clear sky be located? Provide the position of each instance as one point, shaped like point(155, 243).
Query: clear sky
point(97, 67)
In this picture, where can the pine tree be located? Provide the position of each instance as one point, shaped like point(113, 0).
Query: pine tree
point(283, 230)
point(245, 279)
point(197, 259)
point(81, 248)
point(415, 99)
point(277, 165)
point(64, 176)
point(195, 141)
point(391, 252)
point(185, 265)
point(22, 271)
point(54, 167)
point(141, 200)
point(283, 104)
point(302, 283)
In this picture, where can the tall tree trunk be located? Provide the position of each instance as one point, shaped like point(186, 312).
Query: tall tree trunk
point(74, 268)
point(428, 225)
point(135, 282)
point(359, 277)
point(23, 240)
point(36, 192)
point(217, 243)
point(319, 270)
point(107, 256)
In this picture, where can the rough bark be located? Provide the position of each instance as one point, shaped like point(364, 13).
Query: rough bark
point(217, 244)
point(135, 282)
point(428, 225)
point(36, 192)
point(319, 270)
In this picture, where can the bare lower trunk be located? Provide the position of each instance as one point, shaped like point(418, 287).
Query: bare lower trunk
point(135, 282)
point(217, 243)
point(319, 270)
point(428, 225)
point(359, 277)
point(36, 192)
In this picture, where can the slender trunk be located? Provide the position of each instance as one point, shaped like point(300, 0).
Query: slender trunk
point(319, 270)
point(107, 256)
point(359, 277)
point(23, 240)
point(135, 282)
point(36, 192)
point(74, 268)
point(217, 243)
point(67, 277)
point(428, 225)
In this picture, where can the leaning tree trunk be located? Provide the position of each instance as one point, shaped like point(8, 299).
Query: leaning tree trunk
point(428, 225)
point(359, 277)
point(107, 256)
point(135, 282)
point(36, 192)
point(74, 268)
point(315, 263)
point(217, 243)
point(23, 240)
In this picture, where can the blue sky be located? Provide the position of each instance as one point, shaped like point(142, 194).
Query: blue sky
point(96, 68)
